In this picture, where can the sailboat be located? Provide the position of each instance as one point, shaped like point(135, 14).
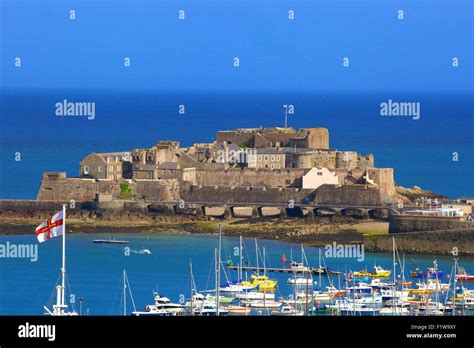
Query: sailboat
point(53, 227)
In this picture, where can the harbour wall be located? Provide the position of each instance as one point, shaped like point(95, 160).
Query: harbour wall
point(429, 242)
point(411, 223)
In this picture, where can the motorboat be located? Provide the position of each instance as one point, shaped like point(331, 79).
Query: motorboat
point(162, 307)
point(287, 310)
point(262, 281)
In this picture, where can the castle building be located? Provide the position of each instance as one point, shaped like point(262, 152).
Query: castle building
point(266, 159)
point(106, 166)
point(259, 138)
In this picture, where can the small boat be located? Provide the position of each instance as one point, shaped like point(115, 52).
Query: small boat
point(236, 287)
point(222, 299)
point(144, 251)
point(209, 309)
point(255, 295)
point(463, 276)
point(431, 272)
point(403, 311)
point(299, 280)
point(263, 282)
point(261, 304)
point(112, 240)
point(381, 273)
point(405, 283)
point(287, 310)
point(162, 307)
point(360, 289)
point(299, 267)
point(238, 310)
point(434, 285)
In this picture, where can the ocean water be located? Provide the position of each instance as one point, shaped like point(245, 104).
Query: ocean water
point(95, 270)
point(421, 151)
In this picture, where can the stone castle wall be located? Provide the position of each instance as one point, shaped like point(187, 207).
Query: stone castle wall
point(249, 176)
point(54, 188)
point(228, 195)
point(349, 195)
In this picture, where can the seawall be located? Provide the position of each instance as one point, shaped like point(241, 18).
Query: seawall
point(429, 242)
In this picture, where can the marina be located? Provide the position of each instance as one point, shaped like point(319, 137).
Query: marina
point(160, 283)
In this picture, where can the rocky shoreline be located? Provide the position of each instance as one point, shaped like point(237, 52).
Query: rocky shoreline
point(320, 232)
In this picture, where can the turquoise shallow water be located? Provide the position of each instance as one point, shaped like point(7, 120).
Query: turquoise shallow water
point(95, 270)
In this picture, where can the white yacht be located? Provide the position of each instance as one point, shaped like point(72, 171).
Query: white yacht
point(162, 307)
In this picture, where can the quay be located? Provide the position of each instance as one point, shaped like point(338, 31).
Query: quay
point(283, 270)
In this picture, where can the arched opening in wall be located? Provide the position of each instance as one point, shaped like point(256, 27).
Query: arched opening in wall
point(295, 212)
point(325, 212)
point(379, 214)
point(353, 212)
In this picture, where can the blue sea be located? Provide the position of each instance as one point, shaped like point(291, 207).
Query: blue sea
point(95, 270)
point(435, 152)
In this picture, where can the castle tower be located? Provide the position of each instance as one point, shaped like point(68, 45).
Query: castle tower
point(317, 138)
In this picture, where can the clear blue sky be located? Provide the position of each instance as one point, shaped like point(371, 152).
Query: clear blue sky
point(276, 53)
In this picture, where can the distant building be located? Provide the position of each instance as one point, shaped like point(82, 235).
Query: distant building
point(259, 138)
point(106, 166)
point(466, 208)
point(444, 212)
point(267, 159)
point(317, 177)
point(146, 161)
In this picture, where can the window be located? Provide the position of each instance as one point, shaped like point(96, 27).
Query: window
point(278, 157)
point(278, 166)
point(86, 170)
point(260, 165)
point(259, 158)
point(273, 166)
point(266, 165)
point(266, 157)
point(99, 169)
point(273, 158)
point(320, 173)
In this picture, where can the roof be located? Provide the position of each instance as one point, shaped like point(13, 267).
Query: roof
point(232, 146)
point(110, 154)
point(268, 152)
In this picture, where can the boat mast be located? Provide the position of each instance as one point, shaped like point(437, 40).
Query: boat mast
point(264, 286)
point(256, 255)
point(191, 285)
point(240, 258)
point(394, 277)
point(124, 294)
point(319, 268)
point(63, 268)
point(218, 275)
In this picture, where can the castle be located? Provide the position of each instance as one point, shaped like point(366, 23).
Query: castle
point(265, 158)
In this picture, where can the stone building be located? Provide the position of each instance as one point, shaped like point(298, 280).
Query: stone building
point(267, 159)
point(331, 159)
point(314, 138)
point(106, 166)
point(146, 161)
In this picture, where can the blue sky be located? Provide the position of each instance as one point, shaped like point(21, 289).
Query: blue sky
point(304, 54)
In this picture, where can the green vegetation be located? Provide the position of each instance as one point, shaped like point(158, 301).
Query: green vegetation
point(125, 191)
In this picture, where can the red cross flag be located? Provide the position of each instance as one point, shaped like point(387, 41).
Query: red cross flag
point(52, 227)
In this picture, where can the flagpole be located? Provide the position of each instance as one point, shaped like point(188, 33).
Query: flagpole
point(63, 269)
